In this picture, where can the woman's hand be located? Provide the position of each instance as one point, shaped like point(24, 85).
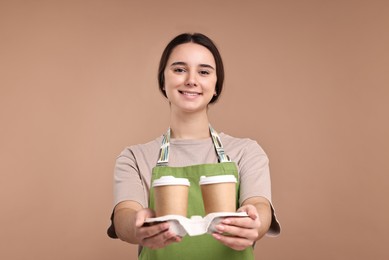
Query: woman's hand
point(239, 232)
point(154, 236)
point(129, 220)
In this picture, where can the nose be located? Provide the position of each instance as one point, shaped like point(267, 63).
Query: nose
point(191, 80)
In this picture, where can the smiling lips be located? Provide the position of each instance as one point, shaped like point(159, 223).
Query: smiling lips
point(191, 94)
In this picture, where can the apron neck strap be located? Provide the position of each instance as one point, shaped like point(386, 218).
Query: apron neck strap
point(217, 143)
point(164, 150)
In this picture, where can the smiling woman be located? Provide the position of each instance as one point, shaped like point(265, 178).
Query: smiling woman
point(191, 76)
point(200, 40)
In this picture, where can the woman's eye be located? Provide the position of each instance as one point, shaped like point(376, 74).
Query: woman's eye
point(204, 72)
point(179, 70)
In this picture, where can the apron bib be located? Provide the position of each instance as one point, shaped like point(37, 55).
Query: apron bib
point(203, 246)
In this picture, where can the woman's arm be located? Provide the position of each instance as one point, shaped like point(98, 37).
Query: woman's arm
point(128, 220)
point(264, 213)
point(244, 232)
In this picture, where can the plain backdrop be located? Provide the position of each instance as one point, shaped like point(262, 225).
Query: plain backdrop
point(309, 80)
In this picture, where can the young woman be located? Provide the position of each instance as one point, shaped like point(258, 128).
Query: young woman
point(191, 77)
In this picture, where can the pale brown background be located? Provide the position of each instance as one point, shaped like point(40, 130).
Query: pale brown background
point(307, 79)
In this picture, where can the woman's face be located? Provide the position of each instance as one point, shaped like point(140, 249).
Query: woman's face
point(190, 77)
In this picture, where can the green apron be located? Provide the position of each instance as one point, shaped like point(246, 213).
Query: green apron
point(203, 246)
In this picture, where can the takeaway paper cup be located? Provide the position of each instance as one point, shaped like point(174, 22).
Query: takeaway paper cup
point(219, 193)
point(171, 196)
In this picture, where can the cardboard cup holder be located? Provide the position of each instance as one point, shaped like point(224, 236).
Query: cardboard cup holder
point(196, 225)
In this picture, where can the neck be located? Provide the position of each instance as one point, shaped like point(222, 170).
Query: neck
point(189, 126)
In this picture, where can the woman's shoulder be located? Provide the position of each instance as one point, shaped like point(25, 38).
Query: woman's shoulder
point(149, 148)
point(239, 143)
point(228, 139)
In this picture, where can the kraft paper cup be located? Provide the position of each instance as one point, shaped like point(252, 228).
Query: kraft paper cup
point(219, 193)
point(171, 196)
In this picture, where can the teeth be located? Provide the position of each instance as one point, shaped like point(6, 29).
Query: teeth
point(190, 94)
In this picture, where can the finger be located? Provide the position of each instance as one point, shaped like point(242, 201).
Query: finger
point(172, 240)
point(153, 230)
point(236, 243)
point(160, 240)
point(250, 234)
point(250, 210)
point(243, 222)
point(141, 216)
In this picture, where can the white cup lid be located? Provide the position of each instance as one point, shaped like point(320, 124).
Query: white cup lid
point(170, 180)
point(217, 179)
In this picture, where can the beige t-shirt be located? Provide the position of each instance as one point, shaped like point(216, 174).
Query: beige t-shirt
point(135, 163)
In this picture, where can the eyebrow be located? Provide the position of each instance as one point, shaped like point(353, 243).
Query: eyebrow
point(185, 64)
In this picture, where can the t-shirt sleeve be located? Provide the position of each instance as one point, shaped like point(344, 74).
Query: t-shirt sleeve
point(127, 180)
point(255, 179)
point(254, 173)
point(127, 184)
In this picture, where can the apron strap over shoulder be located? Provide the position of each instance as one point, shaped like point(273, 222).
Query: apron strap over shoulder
point(164, 150)
point(217, 143)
